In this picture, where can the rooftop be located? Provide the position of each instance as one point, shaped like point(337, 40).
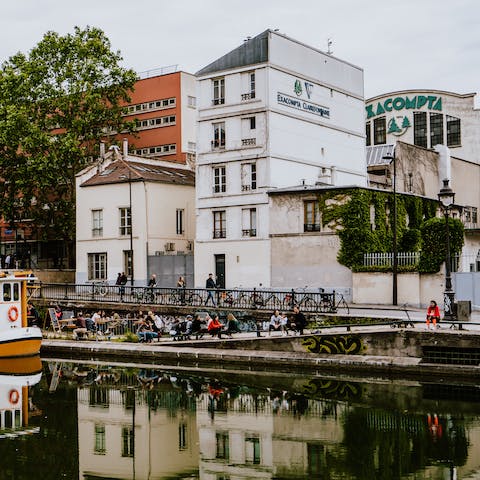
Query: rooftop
point(121, 171)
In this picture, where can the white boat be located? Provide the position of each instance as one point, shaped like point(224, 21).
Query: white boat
point(16, 376)
point(17, 339)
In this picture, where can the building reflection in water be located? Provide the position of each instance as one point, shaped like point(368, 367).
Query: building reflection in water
point(145, 424)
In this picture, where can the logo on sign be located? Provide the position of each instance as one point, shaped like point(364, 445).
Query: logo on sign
point(298, 88)
point(398, 125)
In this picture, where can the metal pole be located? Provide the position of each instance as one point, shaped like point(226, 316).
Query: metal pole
point(395, 256)
point(131, 224)
point(449, 295)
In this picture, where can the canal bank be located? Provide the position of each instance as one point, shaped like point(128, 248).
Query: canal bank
point(409, 353)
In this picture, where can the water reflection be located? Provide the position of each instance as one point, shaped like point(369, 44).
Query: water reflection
point(142, 423)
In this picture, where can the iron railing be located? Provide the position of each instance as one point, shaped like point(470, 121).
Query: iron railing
point(312, 301)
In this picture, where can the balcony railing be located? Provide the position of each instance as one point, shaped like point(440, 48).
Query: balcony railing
point(218, 144)
point(218, 101)
point(249, 232)
point(220, 188)
point(248, 96)
point(311, 227)
point(219, 234)
point(248, 142)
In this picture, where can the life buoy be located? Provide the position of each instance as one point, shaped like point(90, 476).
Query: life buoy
point(13, 313)
point(13, 396)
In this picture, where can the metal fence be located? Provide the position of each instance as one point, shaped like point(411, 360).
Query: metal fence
point(380, 259)
point(314, 301)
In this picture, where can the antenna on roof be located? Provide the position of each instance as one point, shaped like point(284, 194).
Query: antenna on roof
point(247, 39)
point(329, 45)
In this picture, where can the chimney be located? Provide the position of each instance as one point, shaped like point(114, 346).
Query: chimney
point(125, 148)
point(102, 150)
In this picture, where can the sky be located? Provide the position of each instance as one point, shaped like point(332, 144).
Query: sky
point(401, 45)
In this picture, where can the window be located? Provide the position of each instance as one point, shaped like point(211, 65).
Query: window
point(99, 447)
point(152, 105)
point(98, 397)
point(436, 129)
point(182, 436)
point(157, 150)
point(220, 224)
point(368, 133)
point(180, 214)
point(218, 135)
point(253, 123)
point(222, 450)
point(252, 450)
point(379, 131)
point(249, 176)
point(97, 266)
point(252, 84)
point(125, 221)
point(249, 222)
point(97, 223)
point(311, 216)
point(219, 179)
point(191, 101)
point(420, 129)
point(453, 132)
point(155, 122)
point(128, 262)
point(219, 91)
point(128, 442)
point(470, 215)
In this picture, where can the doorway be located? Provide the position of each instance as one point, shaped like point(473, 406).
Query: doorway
point(220, 270)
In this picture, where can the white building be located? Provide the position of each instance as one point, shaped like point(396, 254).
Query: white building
point(272, 113)
point(425, 118)
point(127, 203)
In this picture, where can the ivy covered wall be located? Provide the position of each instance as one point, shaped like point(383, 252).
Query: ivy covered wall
point(364, 219)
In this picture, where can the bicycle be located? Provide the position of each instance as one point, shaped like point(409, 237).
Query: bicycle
point(184, 297)
point(100, 288)
point(259, 300)
point(306, 302)
point(144, 295)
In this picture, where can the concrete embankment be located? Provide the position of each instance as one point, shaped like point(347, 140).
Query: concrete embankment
point(400, 353)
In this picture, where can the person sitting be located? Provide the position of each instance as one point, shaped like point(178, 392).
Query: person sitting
point(199, 327)
point(275, 322)
point(58, 312)
point(32, 316)
point(232, 325)
point(284, 324)
point(433, 314)
point(81, 327)
point(145, 332)
point(215, 327)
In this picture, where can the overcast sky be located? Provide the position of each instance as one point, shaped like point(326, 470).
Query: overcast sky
point(433, 44)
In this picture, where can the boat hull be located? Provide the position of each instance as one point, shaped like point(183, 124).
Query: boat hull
point(20, 342)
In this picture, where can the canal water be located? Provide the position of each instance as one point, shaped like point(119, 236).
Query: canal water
point(98, 421)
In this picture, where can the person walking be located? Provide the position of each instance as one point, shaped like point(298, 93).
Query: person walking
point(210, 285)
point(181, 283)
point(433, 314)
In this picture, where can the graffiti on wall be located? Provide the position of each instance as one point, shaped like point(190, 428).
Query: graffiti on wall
point(335, 344)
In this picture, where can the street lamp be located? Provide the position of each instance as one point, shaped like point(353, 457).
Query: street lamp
point(390, 157)
point(446, 197)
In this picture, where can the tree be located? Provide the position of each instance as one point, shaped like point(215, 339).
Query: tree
point(56, 104)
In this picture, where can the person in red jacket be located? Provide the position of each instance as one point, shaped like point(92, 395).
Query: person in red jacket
point(433, 314)
point(215, 327)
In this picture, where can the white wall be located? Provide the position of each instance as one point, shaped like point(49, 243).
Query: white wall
point(188, 87)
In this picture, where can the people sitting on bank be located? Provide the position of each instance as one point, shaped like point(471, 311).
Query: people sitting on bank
point(215, 327)
point(275, 322)
point(145, 331)
point(299, 320)
point(433, 314)
point(284, 323)
point(232, 325)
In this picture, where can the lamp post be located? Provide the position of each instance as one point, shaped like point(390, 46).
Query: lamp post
point(446, 197)
point(392, 159)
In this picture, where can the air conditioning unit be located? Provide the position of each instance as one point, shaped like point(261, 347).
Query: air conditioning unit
point(169, 247)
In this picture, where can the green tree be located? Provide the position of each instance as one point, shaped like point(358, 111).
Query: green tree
point(56, 103)
point(405, 122)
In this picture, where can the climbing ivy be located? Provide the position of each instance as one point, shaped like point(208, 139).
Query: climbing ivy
point(364, 218)
point(434, 237)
